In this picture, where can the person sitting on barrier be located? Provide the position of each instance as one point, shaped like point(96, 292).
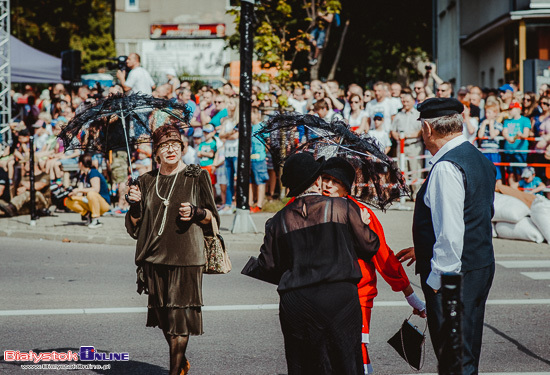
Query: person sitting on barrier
point(530, 183)
point(91, 198)
point(338, 176)
point(515, 131)
point(489, 129)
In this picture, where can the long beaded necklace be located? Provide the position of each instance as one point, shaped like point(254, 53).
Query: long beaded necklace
point(165, 201)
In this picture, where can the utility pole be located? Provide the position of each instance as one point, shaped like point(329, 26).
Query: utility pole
point(242, 222)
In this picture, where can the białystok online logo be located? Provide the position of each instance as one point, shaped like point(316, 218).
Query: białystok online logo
point(86, 353)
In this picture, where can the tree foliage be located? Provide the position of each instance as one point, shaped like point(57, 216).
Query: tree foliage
point(282, 32)
point(385, 40)
point(53, 26)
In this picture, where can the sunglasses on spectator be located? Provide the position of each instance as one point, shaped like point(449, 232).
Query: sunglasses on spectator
point(544, 103)
point(378, 119)
point(318, 92)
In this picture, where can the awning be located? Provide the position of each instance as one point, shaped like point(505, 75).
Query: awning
point(30, 65)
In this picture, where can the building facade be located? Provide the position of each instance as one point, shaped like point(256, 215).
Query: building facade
point(185, 36)
point(490, 42)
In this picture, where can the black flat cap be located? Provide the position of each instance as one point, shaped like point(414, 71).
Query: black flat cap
point(437, 107)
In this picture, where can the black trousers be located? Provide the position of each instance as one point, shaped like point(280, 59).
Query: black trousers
point(475, 290)
point(321, 326)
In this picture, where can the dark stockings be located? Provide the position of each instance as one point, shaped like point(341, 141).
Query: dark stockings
point(178, 345)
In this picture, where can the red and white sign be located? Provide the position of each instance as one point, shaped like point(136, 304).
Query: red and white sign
point(187, 31)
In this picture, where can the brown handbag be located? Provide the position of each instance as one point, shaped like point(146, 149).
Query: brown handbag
point(217, 259)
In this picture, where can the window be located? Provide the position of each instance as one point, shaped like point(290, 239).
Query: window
point(132, 5)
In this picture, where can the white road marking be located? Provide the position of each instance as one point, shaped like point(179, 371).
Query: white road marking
point(274, 306)
point(537, 275)
point(524, 263)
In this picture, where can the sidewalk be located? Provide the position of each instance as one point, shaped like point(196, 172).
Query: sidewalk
point(67, 227)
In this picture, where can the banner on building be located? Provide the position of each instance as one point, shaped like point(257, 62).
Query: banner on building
point(187, 31)
point(205, 57)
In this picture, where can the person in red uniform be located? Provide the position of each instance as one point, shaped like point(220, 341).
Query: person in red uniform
point(338, 176)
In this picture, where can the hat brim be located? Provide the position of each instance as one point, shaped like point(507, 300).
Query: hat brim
point(339, 175)
point(297, 190)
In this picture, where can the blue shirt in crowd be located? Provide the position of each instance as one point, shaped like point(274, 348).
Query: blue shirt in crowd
point(103, 187)
point(217, 119)
point(531, 185)
point(514, 127)
point(257, 151)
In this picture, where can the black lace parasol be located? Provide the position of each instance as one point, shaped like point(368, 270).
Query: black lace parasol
point(378, 180)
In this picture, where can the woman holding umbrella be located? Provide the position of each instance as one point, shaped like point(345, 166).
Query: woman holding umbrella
point(170, 208)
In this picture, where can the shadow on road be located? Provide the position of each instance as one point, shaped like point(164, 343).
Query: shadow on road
point(520, 347)
point(132, 367)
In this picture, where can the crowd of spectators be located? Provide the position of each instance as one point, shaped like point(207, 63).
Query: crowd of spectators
point(506, 124)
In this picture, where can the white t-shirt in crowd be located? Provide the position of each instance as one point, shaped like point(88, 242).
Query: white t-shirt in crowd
point(386, 107)
point(231, 145)
point(397, 104)
point(470, 137)
point(356, 122)
point(299, 106)
point(140, 80)
point(382, 137)
point(190, 156)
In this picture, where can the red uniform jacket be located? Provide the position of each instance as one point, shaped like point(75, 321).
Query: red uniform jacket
point(384, 262)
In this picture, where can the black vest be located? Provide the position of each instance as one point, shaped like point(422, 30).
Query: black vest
point(479, 182)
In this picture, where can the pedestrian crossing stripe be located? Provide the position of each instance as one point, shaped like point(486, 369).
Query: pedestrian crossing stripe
point(274, 306)
point(524, 263)
point(537, 275)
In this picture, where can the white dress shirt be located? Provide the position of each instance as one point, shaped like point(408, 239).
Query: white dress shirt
point(445, 196)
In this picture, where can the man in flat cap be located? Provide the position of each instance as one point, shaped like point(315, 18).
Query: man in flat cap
point(310, 251)
point(452, 224)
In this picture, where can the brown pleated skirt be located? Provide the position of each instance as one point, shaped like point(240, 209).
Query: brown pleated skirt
point(175, 298)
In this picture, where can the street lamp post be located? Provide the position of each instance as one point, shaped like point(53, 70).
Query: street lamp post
point(242, 222)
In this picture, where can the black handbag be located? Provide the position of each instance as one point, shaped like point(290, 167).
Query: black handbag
point(410, 343)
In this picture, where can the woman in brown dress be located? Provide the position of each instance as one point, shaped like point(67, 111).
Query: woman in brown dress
point(172, 206)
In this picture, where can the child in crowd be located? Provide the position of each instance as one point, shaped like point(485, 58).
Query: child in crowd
point(515, 130)
point(206, 152)
point(489, 129)
point(258, 176)
point(530, 182)
point(379, 133)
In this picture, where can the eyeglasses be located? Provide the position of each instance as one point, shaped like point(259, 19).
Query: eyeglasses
point(318, 92)
point(169, 145)
point(378, 119)
point(544, 103)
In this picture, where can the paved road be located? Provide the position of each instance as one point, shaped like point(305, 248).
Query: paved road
point(58, 296)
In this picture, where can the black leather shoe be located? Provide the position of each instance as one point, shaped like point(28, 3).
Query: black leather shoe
point(43, 212)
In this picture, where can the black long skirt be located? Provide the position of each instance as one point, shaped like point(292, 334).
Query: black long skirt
point(322, 329)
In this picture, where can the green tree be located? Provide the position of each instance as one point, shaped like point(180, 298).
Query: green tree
point(282, 32)
point(53, 26)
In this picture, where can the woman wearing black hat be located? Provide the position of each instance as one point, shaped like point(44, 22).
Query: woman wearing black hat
point(338, 177)
point(310, 250)
point(171, 207)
